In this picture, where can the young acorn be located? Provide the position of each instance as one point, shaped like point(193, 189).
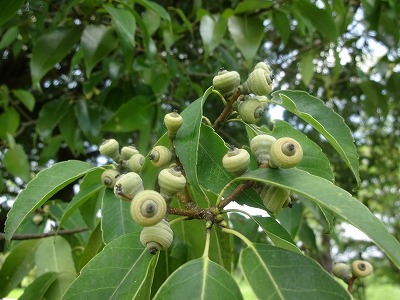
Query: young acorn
point(285, 153)
point(171, 181)
point(148, 208)
point(275, 198)
point(135, 162)
point(260, 146)
point(127, 186)
point(236, 160)
point(128, 151)
point(342, 271)
point(173, 121)
point(160, 156)
point(250, 109)
point(109, 178)
point(361, 268)
point(157, 237)
point(226, 82)
point(110, 148)
point(259, 82)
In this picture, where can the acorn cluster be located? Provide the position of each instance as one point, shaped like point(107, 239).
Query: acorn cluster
point(358, 269)
point(148, 208)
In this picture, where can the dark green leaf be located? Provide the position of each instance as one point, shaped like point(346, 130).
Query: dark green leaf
point(16, 162)
point(26, 98)
point(325, 121)
point(281, 23)
point(70, 131)
point(9, 121)
point(94, 246)
point(252, 6)
point(375, 99)
point(335, 199)
point(37, 289)
point(281, 274)
point(199, 279)
point(130, 267)
point(8, 9)
point(50, 48)
point(290, 218)
point(212, 30)
point(307, 67)
point(156, 7)
point(88, 116)
point(41, 188)
point(247, 33)
point(17, 265)
point(116, 217)
point(50, 115)
point(97, 41)
point(125, 25)
point(9, 36)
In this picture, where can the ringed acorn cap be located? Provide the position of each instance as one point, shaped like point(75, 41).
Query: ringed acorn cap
point(160, 156)
point(275, 198)
point(128, 151)
point(157, 237)
point(258, 83)
point(109, 177)
point(127, 186)
point(171, 181)
point(110, 148)
point(285, 153)
point(148, 208)
point(361, 268)
point(135, 163)
point(236, 160)
point(226, 82)
point(342, 271)
point(173, 121)
point(260, 146)
point(250, 110)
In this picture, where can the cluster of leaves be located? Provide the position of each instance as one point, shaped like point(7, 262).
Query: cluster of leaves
point(73, 73)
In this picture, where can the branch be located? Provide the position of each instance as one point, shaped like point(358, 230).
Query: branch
point(31, 236)
point(240, 188)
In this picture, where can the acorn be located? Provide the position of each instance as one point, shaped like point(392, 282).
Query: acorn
point(250, 110)
point(157, 237)
point(260, 146)
point(109, 178)
point(173, 121)
point(275, 198)
point(236, 160)
point(37, 219)
point(342, 271)
point(361, 268)
point(128, 151)
point(110, 148)
point(258, 83)
point(160, 156)
point(135, 162)
point(148, 207)
point(171, 181)
point(226, 82)
point(285, 153)
point(127, 186)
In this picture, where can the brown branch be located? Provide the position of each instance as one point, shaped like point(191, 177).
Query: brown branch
point(31, 236)
point(227, 111)
point(194, 213)
point(240, 188)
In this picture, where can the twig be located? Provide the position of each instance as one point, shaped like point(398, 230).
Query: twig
point(31, 236)
point(240, 188)
point(227, 111)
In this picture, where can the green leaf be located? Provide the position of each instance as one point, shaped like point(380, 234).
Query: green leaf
point(321, 19)
point(126, 272)
point(37, 289)
point(70, 131)
point(278, 235)
point(283, 274)
point(17, 265)
point(54, 255)
point(291, 218)
point(187, 140)
point(125, 24)
point(325, 121)
point(94, 246)
point(139, 109)
point(116, 217)
point(156, 7)
point(16, 162)
point(335, 199)
point(375, 99)
point(97, 41)
point(9, 36)
point(9, 121)
point(51, 48)
point(41, 188)
point(307, 67)
point(247, 33)
point(59, 286)
point(281, 23)
point(212, 30)
point(50, 115)
point(199, 279)
point(252, 6)
point(8, 9)
point(88, 116)
point(26, 98)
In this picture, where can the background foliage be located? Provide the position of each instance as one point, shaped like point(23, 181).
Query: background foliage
point(73, 73)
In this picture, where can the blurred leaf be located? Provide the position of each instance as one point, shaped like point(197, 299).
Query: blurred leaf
point(116, 217)
point(54, 255)
point(88, 116)
point(26, 98)
point(152, 21)
point(287, 275)
point(50, 115)
point(307, 67)
point(41, 188)
point(50, 48)
point(37, 289)
point(94, 246)
point(133, 271)
point(9, 36)
point(17, 265)
point(156, 7)
point(252, 6)
point(97, 41)
point(70, 131)
point(212, 30)
point(9, 121)
point(199, 279)
point(290, 219)
point(281, 23)
point(57, 289)
point(16, 162)
point(133, 115)
point(333, 198)
point(375, 99)
point(8, 9)
point(124, 23)
point(325, 121)
point(247, 33)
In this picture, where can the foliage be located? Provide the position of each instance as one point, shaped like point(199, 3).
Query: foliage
point(72, 74)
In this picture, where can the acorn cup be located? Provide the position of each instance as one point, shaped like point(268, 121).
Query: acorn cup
point(157, 237)
point(236, 160)
point(226, 82)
